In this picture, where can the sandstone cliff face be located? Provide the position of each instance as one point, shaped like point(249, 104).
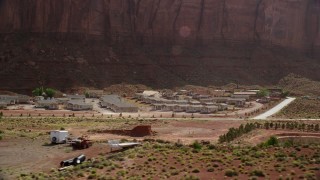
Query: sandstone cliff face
point(219, 37)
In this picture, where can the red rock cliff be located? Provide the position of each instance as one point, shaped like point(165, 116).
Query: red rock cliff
point(218, 33)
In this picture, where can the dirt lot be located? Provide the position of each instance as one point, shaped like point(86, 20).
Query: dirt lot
point(25, 149)
point(24, 146)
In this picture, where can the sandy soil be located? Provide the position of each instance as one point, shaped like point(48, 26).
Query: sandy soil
point(27, 155)
point(21, 154)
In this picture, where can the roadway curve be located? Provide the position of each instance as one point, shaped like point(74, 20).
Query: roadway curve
point(275, 109)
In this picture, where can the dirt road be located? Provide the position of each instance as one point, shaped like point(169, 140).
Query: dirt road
point(275, 109)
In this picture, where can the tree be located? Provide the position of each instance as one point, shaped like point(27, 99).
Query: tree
point(285, 94)
point(50, 92)
point(263, 93)
point(38, 91)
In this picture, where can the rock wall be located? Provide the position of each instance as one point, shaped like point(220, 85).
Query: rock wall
point(190, 41)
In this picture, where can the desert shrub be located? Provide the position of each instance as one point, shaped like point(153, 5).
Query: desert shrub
point(191, 177)
point(210, 169)
point(272, 141)
point(197, 146)
point(258, 173)
point(230, 173)
point(196, 171)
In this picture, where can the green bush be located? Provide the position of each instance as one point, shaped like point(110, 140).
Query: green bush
point(197, 146)
point(272, 141)
point(230, 173)
point(258, 173)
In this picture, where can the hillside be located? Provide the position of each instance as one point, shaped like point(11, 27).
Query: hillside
point(168, 43)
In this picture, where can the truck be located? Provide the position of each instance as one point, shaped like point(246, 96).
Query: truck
point(81, 143)
point(59, 137)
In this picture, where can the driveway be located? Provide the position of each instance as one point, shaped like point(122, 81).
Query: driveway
point(275, 109)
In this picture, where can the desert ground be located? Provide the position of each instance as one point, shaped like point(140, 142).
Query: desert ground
point(26, 151)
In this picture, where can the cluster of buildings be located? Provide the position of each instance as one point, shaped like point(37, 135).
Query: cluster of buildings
point(6, 100)
point(70, 102)
point(189, 104)
point(186, 101)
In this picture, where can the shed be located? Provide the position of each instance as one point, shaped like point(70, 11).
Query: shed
point(9, 99)
point(3, 105)
point(78, 105)
point(222, 106)
point(239, 102)
point(51, 104)
point(193, 108)
point(77, 97)
point(209, 109)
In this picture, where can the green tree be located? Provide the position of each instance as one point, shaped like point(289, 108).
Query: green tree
point(285, 94)
point(272, 141)
point(38, 91)
point(50, 92)
point(263, 93)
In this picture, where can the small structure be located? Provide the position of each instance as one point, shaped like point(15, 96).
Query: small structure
point(245, 94)
point(238, 102)
point(168, 107)
point(78, 105)
point(180, 108)
point(77, 97)
point(10, 100)
point(220, 99)
point(23, 98)
point(38, 98)
point(222, 106)
point(193, 108)
point(193, 102)
point(95, 93)
point(3, 105)
point(63, 101)
point(51, 104)
point(117, 104)
point(158, 107)
point(151, 93)
point(58, 137)
point(209, 109)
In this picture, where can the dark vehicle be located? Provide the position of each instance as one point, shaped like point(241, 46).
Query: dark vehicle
point(75, 161)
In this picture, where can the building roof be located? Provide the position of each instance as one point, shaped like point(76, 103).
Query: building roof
point(236, 99)
point(8, 97)
point(116, 100)
point(245, 93)
point(151, 93)
point(3, 103)
point(47, 101)
point(211, 107)
point(78, 102)
point(76, 96)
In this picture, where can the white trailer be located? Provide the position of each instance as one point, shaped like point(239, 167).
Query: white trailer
point(58, 137)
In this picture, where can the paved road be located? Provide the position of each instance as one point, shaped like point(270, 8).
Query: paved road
point(275, 109)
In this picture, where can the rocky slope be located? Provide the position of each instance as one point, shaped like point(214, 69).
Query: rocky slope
point(66, 43)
